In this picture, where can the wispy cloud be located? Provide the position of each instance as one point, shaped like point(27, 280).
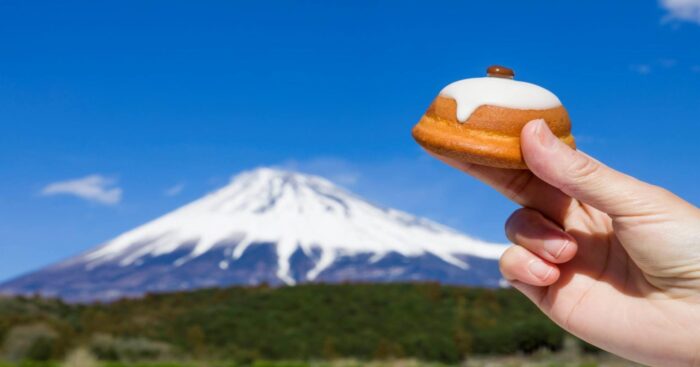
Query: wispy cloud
point(642, 69)
point(94, 188)
point(174, 190)
point(663, 64)
point(682, 10)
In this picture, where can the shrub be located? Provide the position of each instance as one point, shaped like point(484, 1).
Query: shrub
point(33, 342)
point(107, 347)
point(526, 336)
point(104, 347)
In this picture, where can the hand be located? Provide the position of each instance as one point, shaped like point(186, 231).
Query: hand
point(613, 260)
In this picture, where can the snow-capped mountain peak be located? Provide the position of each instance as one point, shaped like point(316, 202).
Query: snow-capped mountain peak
point(269, 226)
point(293, 211)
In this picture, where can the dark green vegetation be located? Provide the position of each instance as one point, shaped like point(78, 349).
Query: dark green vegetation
point(309, 322)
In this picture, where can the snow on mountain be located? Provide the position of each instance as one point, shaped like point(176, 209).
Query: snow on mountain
point(297, 215)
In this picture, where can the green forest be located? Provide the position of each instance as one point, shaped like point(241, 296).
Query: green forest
point(428, 322)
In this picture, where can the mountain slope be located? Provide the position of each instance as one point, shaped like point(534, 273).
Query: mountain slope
point(269, 226)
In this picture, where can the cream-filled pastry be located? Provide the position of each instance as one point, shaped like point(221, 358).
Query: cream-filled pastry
point(479, 120)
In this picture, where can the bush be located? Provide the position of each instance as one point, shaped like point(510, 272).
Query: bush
point(107, 347)
point(104, 347)
point(525, 336)
point(34, 342)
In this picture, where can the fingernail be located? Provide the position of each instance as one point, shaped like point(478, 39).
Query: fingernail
point(547, 139)
point(539, 269)
point(555, 247)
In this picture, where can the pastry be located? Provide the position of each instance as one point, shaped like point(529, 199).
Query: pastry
point(479, 120)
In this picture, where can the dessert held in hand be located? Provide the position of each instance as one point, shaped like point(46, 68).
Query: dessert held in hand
point(479, 120)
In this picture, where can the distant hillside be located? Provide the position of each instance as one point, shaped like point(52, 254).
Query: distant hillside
point(425, 321)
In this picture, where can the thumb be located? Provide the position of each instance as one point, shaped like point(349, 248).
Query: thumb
point(582, 177)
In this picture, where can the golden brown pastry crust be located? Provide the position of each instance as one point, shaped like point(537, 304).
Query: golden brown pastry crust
point(491, 135)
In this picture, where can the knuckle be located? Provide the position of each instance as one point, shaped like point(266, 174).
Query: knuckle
point(660, 200)
point(661, 193)
point(516, 186)
point(582, 167)
point(581, 171)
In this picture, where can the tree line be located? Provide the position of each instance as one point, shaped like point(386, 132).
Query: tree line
point(427, 321)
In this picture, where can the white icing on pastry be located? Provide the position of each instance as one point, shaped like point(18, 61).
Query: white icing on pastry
point(470, 94)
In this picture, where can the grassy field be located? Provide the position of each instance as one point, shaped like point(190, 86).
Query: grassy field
point(602, 360)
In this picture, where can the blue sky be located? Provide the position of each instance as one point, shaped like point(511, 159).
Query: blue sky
point(153, 104)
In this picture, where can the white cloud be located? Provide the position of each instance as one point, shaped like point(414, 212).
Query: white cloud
point(683, 10)
point(95, 188)
point(174, 190)
point(643, 69)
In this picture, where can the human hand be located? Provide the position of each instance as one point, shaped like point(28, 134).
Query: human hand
point(613, 260)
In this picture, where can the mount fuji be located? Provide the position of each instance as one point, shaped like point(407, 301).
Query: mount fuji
point(269, 226)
